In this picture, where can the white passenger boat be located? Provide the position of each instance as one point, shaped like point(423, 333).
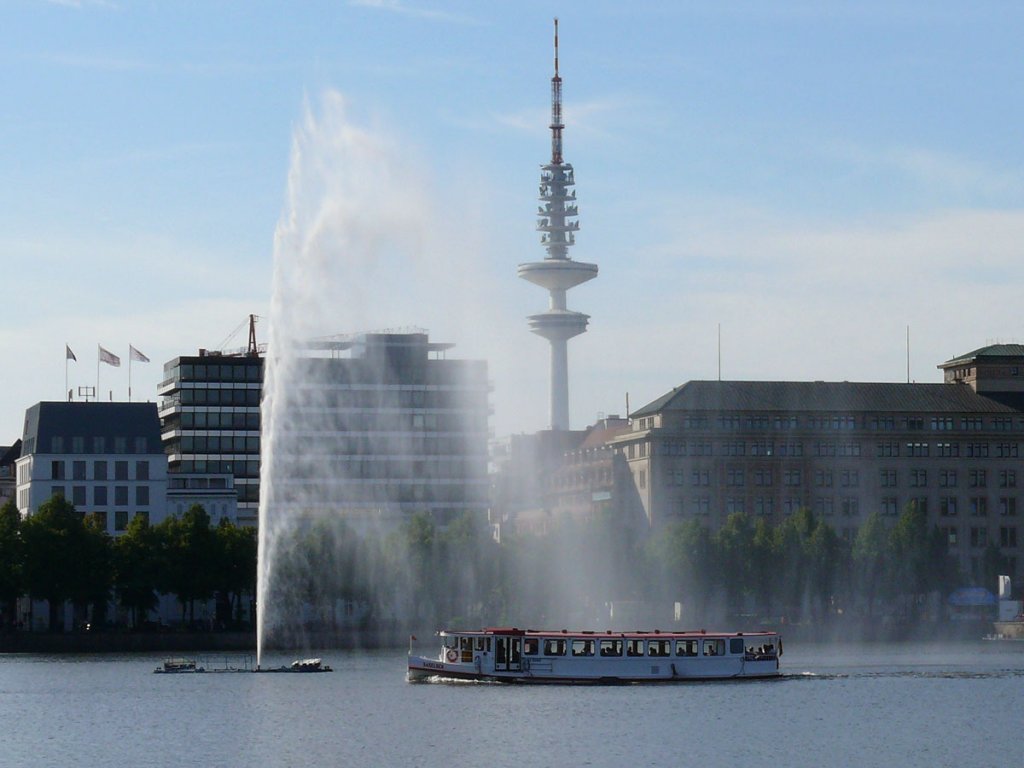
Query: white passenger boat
point(530, 656)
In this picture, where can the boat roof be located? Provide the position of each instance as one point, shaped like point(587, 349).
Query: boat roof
point(637, 633)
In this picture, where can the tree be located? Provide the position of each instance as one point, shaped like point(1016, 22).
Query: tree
point(237, 564)
point(872, 560)
point(138, 561)
point(12, 574)
point(190, 550)
point(57, 556)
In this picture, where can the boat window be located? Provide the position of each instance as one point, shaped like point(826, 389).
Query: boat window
point(480, 643)
point(736, 645)
point(658, 647)
point(714, 647)
point(686, 648)
point(451, 642)
point(635, 647)
point(467, 643)
point(554, 646)
point(581, 647)
point(531, 646)
point(611, 647)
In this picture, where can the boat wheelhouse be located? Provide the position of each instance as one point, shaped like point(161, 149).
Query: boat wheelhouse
point(531, 656)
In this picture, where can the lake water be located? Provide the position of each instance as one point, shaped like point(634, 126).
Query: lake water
point(879, 705)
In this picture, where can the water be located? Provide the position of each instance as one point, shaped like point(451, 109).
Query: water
point(885, 705)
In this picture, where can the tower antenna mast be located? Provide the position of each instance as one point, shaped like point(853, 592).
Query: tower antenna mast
point(558, 272)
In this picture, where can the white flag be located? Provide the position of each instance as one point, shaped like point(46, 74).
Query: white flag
point(68, 354)
point(134, 354)
point(109, 357)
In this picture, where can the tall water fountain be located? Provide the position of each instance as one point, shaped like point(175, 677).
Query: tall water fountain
point(347, 419)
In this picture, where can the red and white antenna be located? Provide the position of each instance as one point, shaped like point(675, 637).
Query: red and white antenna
point(556, 108)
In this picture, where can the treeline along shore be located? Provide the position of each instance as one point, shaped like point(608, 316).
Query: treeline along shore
point(334, 587)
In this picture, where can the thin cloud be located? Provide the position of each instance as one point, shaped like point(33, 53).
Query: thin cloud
point(414, 12)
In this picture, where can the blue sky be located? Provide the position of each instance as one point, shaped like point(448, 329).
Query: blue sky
point(813, 176)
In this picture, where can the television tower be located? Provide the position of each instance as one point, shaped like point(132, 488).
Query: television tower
point(558, 273)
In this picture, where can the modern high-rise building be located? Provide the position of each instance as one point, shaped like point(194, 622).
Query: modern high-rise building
point(844, 450)
point(558, 272)
point(380, 426)
point(210, 426)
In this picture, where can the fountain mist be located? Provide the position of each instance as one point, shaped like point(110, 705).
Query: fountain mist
point(345, 249)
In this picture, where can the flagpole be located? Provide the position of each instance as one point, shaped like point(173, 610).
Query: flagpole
point(97, 373)
point(129, 373)
point(66, 375)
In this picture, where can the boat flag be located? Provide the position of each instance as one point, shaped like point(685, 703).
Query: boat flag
point(68, 354)
point(109, 357)
point(134, 354)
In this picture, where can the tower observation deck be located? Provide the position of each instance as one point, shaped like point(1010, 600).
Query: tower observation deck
point(557, 272)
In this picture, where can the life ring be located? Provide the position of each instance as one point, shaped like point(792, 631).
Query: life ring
point(452, 655)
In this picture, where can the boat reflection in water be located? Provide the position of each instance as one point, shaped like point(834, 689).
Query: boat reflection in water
point(530, 656)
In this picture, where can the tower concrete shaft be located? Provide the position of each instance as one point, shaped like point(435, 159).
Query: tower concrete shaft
point(557, 272)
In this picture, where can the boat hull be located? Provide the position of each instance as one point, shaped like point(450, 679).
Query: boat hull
point(421, 669)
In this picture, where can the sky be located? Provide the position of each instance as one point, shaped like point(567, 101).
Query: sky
point(803, 180)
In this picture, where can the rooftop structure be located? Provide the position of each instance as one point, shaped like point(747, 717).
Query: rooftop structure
point(558, 273)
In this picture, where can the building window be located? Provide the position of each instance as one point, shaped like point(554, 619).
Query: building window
point(734, 478)
point(918, 478)
point(1007, 478)
point(78, 470)
point(890, 506)
point(701, 505)
point(57, 490)
point(762, 478)
point(888, 450)
point(120, 470)
point(921, 503)
point(1006, 451)
point(850, 506)
point(1008, 536)
point(850, 478)
point(78, 495)
point(823, 505)
point(950, 534)
point(57, 444)
point(142, 495)
point(977, 450)
point(643, 478)
point(120, 519)
point(947, 450)
point(887, 478)
point(979, 506)
point(918, 450)
point(120, 445)
point(979, 537)
point(792, 477)
point(120, 495)
point(823, 478)
point(971, 424)
point(734, 505)
point(142, 470)
point(99, 444)
point(701, 477)
point(977, 478)
point(99, 496)
point(947, 478)
point(1008, 506)
point(791, 506)
point(947, 506)
point(764, 505)
point(57, 470)
point(99, 470)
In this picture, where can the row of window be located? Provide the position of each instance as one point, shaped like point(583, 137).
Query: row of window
point(835, 422)
point(978, 536)
point(824, 448)
point(219, 420)
point(764, 477)
point(101, 495)
point(99, 444)
point(614, 647)
point(79, 470)
point(847, 506)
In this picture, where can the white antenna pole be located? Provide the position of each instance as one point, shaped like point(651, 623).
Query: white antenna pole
point(908, 354)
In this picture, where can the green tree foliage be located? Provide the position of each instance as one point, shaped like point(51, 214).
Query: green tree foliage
point(64, 558)
point(190, 550)
point(138, 559)
point(12, 581)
